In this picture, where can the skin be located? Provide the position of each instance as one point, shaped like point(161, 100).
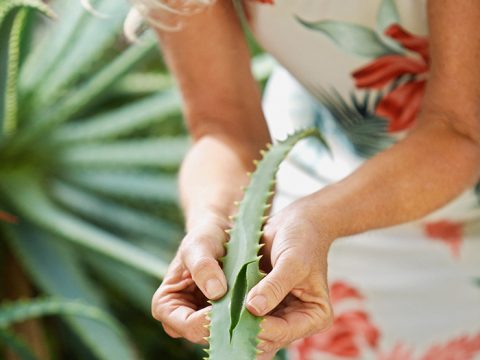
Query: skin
point(438, 160)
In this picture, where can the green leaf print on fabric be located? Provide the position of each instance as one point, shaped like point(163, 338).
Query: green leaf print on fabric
point(365, 131)
point(353, 38)
point(387, 15)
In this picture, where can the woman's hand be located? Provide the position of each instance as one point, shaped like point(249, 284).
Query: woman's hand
point(294, 294)
point(194, 276)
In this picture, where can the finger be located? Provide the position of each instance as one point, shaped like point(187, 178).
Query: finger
point(293, 325)
point(170, 332)
point(272, 289)
point(268, 346)
point(266, 355)
point(189, 324)
point(199, 257)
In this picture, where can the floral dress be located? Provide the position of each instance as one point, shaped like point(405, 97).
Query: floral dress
point(357, 69)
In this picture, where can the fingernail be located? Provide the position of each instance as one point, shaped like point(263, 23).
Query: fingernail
point(259, 304)
point(214, 288)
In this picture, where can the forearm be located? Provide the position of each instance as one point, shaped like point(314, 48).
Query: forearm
point(441, 157)
point(211, 63)
point(413, 178)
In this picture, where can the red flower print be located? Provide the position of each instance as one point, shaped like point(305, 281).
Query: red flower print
point(350, 332)
point(449, 232)
point(340, 291)
point(399, 352)
point(8, 218)
point(406, 76)
point(463, 348)
point(393, 105)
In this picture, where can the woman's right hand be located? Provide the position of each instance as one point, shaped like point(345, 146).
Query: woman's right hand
point(193, 277)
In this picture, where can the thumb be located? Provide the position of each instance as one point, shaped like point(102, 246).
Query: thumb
point(272, 289)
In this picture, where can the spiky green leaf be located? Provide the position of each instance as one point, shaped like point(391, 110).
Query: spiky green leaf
point(234, 330)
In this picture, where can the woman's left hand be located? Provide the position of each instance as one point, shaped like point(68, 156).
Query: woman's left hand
point(293, 297)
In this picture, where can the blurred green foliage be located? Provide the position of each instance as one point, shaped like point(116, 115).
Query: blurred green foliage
point(91, 138)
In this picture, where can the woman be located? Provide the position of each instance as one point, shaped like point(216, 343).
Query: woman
point(394, 209)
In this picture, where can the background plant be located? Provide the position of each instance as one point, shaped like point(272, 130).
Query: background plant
point(91, 137)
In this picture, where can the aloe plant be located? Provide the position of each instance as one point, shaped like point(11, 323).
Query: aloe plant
point(58, 78)
point(91, 137)
point(233, 329)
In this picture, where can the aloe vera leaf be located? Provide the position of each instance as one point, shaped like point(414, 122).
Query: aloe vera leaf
point(8, 12)
point(11, 91)
point(136, 186)
point(143, 84)
point(166, 152)
point(133, 286)
point(54, 42)
point(22, 310)
point(56, 269)
point(94, 37)
point(26, 195)
point(16, 344)
point(233, 329)
point(82, 97)
point(114, 214)
point(140, 114)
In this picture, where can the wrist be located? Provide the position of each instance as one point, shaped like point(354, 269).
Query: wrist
point(321, 209)
point(207, 214)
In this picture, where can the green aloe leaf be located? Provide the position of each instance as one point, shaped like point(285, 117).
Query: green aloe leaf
point(8, 6)
point(56, 40)
point(155, 153)
point(11, 91)
point(136, 115)
point(84, 96)
point(22, 310)
point(92, 40)
point(56, 269)
point(9, 51)
point(138, 84)
point(352, 38)
point(134, 185)
point(233, 329)
point(28, 198)
point(16, 344)
point(114, 214)
point(134, 287)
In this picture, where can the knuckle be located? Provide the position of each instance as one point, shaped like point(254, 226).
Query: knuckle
point(275, 287)
point(284, 337)
point(155, 309)
point(322, 319)
point(170, 332)
point(194, 337)
point(203, 264)
point(269, 346)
